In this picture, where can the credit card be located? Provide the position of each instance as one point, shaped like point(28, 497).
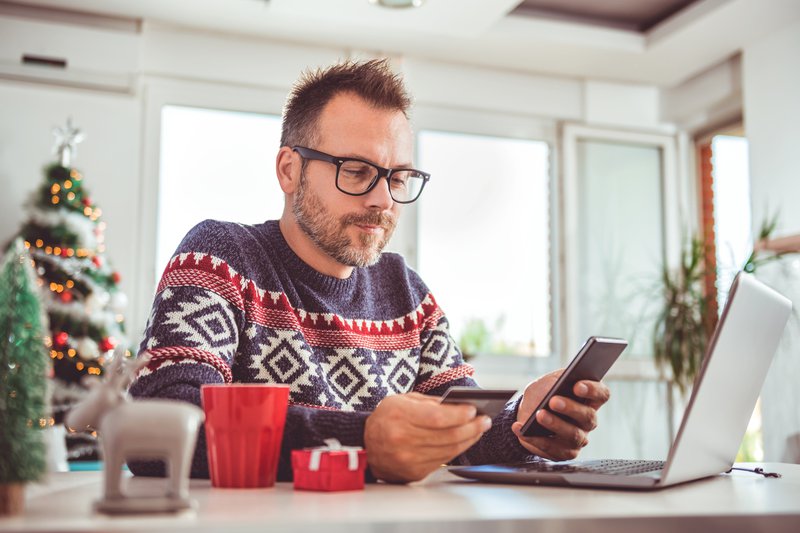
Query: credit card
point(489, 402)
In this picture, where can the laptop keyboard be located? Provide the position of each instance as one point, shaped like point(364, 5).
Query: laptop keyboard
point(617, 467)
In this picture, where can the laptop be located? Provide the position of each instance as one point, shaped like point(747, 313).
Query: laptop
point(715, 420)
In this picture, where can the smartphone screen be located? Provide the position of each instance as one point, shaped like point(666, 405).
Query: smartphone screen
point(591, 362)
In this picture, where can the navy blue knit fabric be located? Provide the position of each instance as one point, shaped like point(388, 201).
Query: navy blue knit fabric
point(236, 304)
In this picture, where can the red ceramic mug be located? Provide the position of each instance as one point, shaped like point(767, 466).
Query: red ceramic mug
point(244, 429)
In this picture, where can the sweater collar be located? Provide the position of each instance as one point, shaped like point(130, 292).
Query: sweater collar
point(302, 270)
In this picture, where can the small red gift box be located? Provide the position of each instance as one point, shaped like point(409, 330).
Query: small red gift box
point(331, 467)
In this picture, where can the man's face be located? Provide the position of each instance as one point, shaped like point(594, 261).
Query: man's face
point(353, 230)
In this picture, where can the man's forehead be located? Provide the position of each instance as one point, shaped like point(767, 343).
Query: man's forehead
point(349, 118)
point(351, 104)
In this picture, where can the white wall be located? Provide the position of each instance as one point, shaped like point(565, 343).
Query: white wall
point(771, 74)
point(109, 158)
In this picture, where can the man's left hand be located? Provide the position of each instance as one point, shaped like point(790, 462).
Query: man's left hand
point(569, 438)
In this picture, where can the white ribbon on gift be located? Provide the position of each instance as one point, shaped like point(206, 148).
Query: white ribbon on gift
point(333, 445)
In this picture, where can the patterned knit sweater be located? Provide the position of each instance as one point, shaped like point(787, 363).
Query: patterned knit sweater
point(236, 304)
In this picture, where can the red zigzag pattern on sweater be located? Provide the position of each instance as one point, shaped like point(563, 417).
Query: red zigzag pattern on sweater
point(272, 309)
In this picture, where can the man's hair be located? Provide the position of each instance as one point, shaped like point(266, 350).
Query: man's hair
point(373, 80)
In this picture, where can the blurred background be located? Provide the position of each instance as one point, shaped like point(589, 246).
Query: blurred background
point(577, 150)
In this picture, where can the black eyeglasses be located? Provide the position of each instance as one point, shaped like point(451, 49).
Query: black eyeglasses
point(357, 177)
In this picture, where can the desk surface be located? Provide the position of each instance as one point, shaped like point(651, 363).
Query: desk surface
point(734, 502)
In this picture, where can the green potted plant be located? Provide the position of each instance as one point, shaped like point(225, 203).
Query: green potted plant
point(475, 338)
point(681, 334)
point(683, 326)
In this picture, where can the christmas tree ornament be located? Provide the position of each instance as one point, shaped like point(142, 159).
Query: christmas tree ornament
point(88, 350)
point(107, 344)
point(23, 379)
point(160, 429)
point(119, 302)
point(67, 139)
point(97, 300)
point(61, 338)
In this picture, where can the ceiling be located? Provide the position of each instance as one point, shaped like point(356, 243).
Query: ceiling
point(621, 14)
point(661, 42)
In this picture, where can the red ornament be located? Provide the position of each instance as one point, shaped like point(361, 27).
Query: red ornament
point(65, 252)
point(66, 297)
point(116, 277)
point(86, 202)
point(61, 339)
point(107, 344)
point(97, 261)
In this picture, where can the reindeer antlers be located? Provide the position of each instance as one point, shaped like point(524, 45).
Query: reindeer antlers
point(122, 370)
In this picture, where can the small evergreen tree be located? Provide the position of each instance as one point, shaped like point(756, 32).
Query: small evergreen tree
point(23, 374)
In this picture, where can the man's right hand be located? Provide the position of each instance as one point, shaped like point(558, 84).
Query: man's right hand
point(408, 436)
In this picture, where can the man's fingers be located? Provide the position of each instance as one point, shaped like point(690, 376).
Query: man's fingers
point(564, 431)
point(595, 393)
point(565, 444)
point(453, 436)
point(584, 415)
point(435, 415)
point(560, 447)
point(426, 449)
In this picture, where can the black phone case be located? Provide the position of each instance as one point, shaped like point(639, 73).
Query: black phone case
point(592, 361)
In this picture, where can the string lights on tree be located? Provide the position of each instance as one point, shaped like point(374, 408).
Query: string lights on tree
point(65, 236)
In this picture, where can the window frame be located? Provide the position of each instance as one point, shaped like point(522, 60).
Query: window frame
point(157, 93)
point(497, 370)
point(673, 202)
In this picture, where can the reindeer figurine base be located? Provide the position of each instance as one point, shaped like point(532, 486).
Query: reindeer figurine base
point(146, 429)
point(143, 505)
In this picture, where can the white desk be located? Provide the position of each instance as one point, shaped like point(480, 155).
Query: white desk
point(736, 502)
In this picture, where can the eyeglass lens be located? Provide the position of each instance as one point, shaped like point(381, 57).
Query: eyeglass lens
point(356, 177)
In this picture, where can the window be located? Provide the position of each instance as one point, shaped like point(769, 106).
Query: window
point(621, 225)
point(727, 226)
point(620, 241)
point(214, 164)
point(483, 239)
point(732, 217)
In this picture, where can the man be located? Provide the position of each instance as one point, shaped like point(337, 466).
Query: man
point(311, 301)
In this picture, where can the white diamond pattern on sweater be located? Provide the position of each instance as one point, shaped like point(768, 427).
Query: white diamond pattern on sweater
point(205, 320)
point(285, 358)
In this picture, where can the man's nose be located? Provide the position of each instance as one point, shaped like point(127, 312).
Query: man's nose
point(379, 196)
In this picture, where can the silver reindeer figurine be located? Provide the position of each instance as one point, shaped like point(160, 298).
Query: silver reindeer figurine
point(145, 429)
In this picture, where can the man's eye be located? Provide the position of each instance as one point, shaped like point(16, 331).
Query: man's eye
point(399, 182)
point(356, 171)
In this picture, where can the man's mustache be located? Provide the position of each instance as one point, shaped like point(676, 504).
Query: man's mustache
point(382, 219)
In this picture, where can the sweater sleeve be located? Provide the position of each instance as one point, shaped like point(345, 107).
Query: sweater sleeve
point(305, 426)
point(192, 332)
point(442, 366)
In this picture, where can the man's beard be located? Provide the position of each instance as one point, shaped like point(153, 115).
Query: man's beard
point(330, 235)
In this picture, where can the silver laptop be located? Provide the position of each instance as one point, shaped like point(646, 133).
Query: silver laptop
point(715, 419)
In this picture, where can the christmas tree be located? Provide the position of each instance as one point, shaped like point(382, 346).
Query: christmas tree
point(79, 289)
point(23, 379)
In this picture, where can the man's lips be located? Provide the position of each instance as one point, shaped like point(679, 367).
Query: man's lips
point(368, 228)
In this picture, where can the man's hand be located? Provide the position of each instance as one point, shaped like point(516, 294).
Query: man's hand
point(568, 439)
point(408, 436)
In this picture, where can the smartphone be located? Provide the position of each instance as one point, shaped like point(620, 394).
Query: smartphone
point(591, 362)
point(489, 402)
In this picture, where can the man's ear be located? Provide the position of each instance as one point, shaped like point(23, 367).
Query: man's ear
point(287, 167)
